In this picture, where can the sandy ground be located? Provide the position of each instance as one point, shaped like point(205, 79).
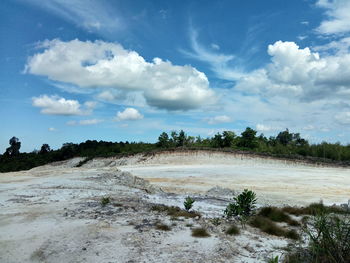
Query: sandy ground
point(276, 182)
point(53, 213)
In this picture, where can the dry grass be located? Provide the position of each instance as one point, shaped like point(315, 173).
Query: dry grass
point(174, 211)
point(277, 215)
point(200, 232)
point(232, 230)
point(314, 209)
point(268, 226)
point(163, 227)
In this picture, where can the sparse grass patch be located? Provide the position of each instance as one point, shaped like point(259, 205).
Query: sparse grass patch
point(200, 232)
point(232, 230)
point(277, 215)
point(314, 209)
point(105, 200)
point(268, 226)
point(163, 227)
point(189, 225)
point(174, 211)
point(216, 221)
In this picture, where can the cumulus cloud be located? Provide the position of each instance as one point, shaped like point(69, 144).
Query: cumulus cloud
point(109, 65)
point(300, 73)
point(265, 128)
point(55, 105)
point(84, 122)
point(218, 119)
point(129, 114)
point(338, 12)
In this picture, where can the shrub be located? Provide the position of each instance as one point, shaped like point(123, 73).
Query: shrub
point(329, 241)
point(269, 227)
point(277, 215)
point(243, 204)
point(232, 230)
point(313, 209)
point(216, 221)
point(188, 203)
point(105, 201)
point(174, 211)
point(273, 260)
point(200, 232)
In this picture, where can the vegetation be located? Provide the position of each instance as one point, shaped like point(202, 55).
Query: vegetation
point(329, 237)
point(174, 211)
point(200, 232)
point(277, 215)
point(163, 227)
point(232, 230)
point(105, 201)
point(268, 226)
point(314, 209)
point(188, 203)
point(243, 204)
point(284, 145)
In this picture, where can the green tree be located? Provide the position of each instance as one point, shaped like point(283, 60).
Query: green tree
point(248, 139)
point(15, 145)
point(228, 138)
point(45, 148)
point(163, 140)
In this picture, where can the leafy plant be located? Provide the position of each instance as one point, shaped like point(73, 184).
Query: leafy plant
point(273, 260)
point(216, 221)
point(105, 201)
point(242, 206)
point(188, 203)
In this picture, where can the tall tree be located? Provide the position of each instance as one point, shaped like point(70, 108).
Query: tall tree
point(15, 145)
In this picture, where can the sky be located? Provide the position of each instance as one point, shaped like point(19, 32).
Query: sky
point(74, 70)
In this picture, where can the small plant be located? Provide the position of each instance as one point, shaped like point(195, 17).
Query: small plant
point(189, 225)
point(200, 232)
point(242, 206)
point(277, 215)
point(216, 221)
point(163, 227)
point(188, 203)
point(232, 230)
point(273, 260)
point(105, 201)
point(174, 211)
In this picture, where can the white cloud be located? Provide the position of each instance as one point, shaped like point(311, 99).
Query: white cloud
point(108, 65)
point(107, 95)
point(215, 46)
point(338, 12)
point(84, 122)
point(343, 118)
point(218, 119)
point(304, 23)
point(92, 15)
point(52, 129)
point(218, 62)
point(299, 73)
point(55, 105)
point(129, 114)
point(264, 128)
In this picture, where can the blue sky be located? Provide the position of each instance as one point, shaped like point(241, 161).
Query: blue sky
point(73, 70)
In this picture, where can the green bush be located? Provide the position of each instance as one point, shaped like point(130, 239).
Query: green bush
point(243, 204)
point(188, 203)
point(232, 230)
point(277, 215)
point(105, 201)
point(329, 241)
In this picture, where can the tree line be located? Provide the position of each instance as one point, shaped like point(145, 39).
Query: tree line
point(285, 144)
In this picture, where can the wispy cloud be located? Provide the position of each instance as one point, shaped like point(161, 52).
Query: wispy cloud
point(219, 62)
point(92, 15)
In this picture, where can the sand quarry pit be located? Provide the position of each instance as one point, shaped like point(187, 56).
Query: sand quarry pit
point(54, 213)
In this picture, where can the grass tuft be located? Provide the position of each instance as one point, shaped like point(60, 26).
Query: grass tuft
point(232, 230)
point(314, 209)
point(163, 227)
point(268, 226)
point(277, 215)
point(200, 232)
point(174, 211)
point(105, 201)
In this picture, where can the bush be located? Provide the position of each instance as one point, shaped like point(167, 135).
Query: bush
point(200, 232)
point(329, 241)
point(269, 227)
point(188, 203)
point(277, 215)
point(174, 211)
point(313, 209)
point(243, 204)
point(105, 201)
point(232, 230)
